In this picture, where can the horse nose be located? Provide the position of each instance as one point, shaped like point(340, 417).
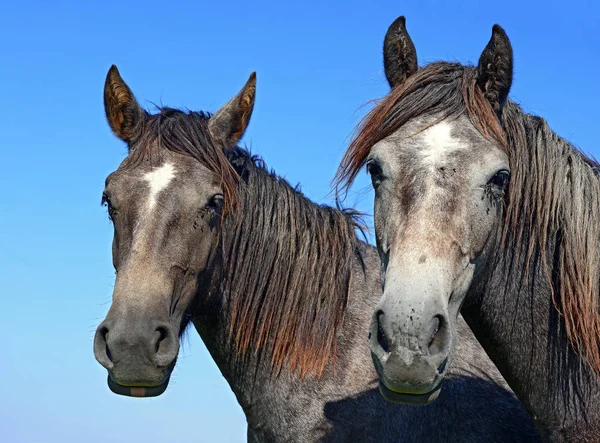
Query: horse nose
point(157, 344)
point(430, 339)
point(410, 354)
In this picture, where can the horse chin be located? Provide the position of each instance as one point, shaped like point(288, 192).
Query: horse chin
point(409, 398)
point(140, 391)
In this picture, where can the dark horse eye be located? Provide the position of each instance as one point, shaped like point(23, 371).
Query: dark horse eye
point(500, 179)
point(216, 202)
point(106, 202)
point(375, 171)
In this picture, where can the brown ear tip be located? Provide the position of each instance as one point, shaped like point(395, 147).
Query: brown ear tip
point(251, 83)
point(113, 74)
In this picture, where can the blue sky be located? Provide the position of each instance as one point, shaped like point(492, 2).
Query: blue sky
point(317, 62)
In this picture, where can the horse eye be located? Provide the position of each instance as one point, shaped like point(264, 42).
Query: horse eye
point(107, 203)
point(500, 179)
point(375, 171)
point(216, 202)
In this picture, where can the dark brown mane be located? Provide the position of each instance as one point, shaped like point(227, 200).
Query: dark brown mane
point(288, 263)
point(553, 201)
point(185, 133)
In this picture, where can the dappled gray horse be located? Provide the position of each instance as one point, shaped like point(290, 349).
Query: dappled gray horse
point(280, 290)
point(477, 202)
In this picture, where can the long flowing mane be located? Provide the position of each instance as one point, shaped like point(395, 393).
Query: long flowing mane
point(288, 262)
point(552, 209)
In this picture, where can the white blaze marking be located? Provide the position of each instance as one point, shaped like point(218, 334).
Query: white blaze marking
point(158, 180)
point(438, 142)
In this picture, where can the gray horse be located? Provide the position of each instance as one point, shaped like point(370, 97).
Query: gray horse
point(477, 202)
point(280, 289)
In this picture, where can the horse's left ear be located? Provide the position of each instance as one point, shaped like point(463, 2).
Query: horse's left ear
point(122, 110)
point(228, 125)
point(495, 69)
point(399, 53)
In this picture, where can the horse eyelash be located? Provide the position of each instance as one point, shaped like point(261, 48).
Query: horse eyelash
point(494, 194)
point(104, 202)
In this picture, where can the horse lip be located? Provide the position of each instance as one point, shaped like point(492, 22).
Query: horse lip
point(138, 389)
point(396, 396)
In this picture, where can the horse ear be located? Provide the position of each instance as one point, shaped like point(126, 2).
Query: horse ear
point(228, 125)
point(122, 110)
point(399, 54)
point(495, 69)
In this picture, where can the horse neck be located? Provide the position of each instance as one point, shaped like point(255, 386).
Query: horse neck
point(512, 314)
point(251, 375)
point(211, 321)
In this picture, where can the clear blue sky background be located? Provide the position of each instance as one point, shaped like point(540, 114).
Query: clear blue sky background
point(317, 63)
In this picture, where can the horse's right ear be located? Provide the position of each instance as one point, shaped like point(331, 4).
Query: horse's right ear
point(228, 125)
point(399, 53)
point(495, 68)
point(122, 110)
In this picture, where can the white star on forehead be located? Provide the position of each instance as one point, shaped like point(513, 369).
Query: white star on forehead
point(158, 179)
point(439, 141)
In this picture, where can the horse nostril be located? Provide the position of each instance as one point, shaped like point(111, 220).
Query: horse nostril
point(104, 334)
point(101, 349)
point(161, 336)
point(381, 336)
point(166, 345)
point(435, 340)
point(442, 367)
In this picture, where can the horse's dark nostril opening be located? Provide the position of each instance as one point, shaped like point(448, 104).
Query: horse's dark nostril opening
point(442, 367)
point(104, 335)
point(162, 335)
point(101, 348)
point(166, 345)
point(381, 336)
point(436, 340)
point(108, 354)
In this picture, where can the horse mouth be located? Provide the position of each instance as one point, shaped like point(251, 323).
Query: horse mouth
point(140, 391)
point(409, 398)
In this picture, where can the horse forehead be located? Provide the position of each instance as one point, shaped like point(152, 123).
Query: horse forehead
point(439, 144)
point(158, 179)
point(430, 165)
